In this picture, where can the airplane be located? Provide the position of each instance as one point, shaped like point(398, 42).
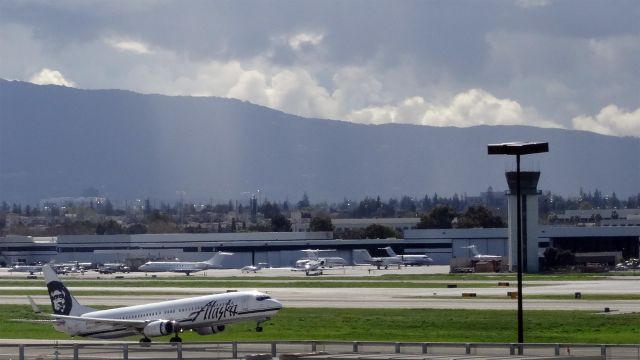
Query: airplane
point(481, 257)
point(326, 261)
point(379, 262)
point(186, 267)
point(31, 269)
point(111, 268)
point(205, 315)
point(253, 268)
point(313, 263)
point(411, 259)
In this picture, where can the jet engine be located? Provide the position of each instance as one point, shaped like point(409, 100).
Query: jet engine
point(210, 330)
point(160, 328)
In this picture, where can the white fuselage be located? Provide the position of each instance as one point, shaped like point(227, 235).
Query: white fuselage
point(192, 313)
point(173, 266)
point(416, 259)
point(26, 268)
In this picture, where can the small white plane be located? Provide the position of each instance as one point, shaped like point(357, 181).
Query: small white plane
point(314, 263)
point(31, 269)
point(253, 268)
point(381, 261)
point(185, 267)
point(205, 315)
point(412, 260)
point(481, 257)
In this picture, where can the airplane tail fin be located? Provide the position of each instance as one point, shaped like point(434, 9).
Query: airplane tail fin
point(216, 260)
point(390, 251)
point(361, 255)
point(62, 302)
point(474, 249)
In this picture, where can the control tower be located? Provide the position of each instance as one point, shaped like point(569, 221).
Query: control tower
point(529, 193)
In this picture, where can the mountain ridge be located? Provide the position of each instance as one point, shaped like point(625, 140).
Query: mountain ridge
point(57, 141)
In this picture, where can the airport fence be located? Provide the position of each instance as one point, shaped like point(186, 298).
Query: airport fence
point(302, 350)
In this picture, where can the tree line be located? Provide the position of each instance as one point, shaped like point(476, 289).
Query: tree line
point(434, 211)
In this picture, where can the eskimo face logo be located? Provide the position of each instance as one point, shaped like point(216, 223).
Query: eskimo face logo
point(60, 298)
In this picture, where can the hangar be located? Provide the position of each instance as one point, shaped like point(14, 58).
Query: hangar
point(282, 249)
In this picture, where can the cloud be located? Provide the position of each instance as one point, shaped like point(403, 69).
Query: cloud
point(470, 108)
point(530, 4)
point(50, 77)
point(135, 47)
point(302, 40)
point(611, 120)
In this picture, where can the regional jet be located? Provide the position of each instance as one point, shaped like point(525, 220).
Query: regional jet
point(186, 267)
point(411, 259)
point(386, 261)
point(205, 315)
point(481, 257)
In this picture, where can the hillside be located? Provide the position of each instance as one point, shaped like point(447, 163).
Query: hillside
point(57, 141)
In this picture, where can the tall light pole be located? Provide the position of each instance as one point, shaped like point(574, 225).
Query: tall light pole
point(517, 149)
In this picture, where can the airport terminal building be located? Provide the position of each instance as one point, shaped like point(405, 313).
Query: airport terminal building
point(283, 248)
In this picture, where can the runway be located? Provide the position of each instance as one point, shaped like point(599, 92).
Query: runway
point(428, 297)
point(372, 298)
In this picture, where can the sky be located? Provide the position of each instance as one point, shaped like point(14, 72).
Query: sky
point(570, 64)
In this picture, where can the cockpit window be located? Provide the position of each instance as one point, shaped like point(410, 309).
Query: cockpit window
point(262, 297)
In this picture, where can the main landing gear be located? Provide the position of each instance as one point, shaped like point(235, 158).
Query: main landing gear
point(176, 339)
point(145, 341)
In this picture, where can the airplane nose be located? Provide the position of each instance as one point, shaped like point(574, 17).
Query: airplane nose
point(276, 304)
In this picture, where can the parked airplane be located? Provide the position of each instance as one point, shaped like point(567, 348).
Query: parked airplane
point(253, 268)
point(411, 259)
point(481, 257)
point(326, 261)
point(205, 315)
point(386, 261)
point(186, 267)
point(314, 263)
point(111, 268)
point(31, 269)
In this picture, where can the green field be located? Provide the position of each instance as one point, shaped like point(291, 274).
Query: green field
point(419, 325)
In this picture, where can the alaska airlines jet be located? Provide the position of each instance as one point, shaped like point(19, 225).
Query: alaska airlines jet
point(205, 315)
point(186, 267)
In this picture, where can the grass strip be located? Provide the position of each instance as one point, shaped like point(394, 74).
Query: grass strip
point(419, 325)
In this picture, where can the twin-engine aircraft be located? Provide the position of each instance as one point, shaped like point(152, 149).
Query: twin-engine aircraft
point(482, 257)
point(314, 263)
point(185, 267)
point(412, 260)
point(393, 259)
point(203, 314)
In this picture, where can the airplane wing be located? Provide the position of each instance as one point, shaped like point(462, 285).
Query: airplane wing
point(61, 318)
point(103, 321)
